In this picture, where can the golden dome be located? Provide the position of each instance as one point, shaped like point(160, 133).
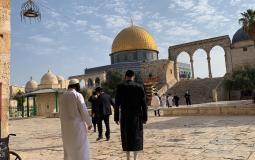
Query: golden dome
point(49, 78)
point(132, 38)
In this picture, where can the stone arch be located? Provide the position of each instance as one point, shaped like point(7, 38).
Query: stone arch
point(200, 64)
point(183, 65)
point(90, 83)
point(218, 61)
point(97, 81)
point(207, 45)
point(82, 83)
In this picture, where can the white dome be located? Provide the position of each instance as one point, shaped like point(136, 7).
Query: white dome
point(60, 78)
point(49, 79)
point(31, 86)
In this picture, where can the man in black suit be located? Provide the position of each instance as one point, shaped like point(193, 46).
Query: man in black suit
point(105, 103)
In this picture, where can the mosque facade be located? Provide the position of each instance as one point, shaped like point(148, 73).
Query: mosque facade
point(133, 48)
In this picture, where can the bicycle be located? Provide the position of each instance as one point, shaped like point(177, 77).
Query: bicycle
point(5, 153)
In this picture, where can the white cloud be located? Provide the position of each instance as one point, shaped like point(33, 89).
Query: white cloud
point(116, 21)
point(202, 12)
point(81, 23)
point(186, 4)
point(41, 39)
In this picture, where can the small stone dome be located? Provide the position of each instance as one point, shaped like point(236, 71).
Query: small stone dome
point(49, 79)
point(60, 78)
point(240, 35)
point(31, 86)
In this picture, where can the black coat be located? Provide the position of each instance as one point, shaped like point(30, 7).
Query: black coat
point(130, 97)
point(94, 104)
point(105, 103)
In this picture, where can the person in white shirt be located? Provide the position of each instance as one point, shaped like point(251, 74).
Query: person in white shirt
point(163, 100)
point(155, 104)
point(75, 123)
point(170, 100)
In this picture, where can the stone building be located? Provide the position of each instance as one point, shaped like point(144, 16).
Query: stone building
point(45, 95)
point(242, 50)
point(5, 42)
point(238, 53)
point(133, 48)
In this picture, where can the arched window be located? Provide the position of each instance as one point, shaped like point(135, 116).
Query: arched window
point(97, 82)
point(90, 83)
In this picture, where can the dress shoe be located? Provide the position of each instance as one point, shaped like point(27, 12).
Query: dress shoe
point(99, 138)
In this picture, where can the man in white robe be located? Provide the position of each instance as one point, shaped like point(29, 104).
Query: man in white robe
point(75, 122)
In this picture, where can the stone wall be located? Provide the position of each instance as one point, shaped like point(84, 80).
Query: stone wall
point(46, 104)
point(5, 30)
point(164, 69)
point(243, 54)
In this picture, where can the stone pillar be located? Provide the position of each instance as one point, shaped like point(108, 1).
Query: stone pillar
point(209, 65)
point(176, 70)
point(228, 59)
point(28, 107)
point(192, 67)
point(5, 30)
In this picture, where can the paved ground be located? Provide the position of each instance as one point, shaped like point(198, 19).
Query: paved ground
point(166, 138)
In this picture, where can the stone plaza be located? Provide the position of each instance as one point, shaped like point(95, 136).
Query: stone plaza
point(166, 138)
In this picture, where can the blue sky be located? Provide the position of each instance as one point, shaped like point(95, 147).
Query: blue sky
point(75, 34)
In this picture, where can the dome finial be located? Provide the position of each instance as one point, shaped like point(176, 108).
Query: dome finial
point(131, 21)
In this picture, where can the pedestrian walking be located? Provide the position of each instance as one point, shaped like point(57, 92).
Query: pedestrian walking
point(75, 121)
point(176, 100)
point(155, 104)
point(94, 100)
point(170, 100)
point(163, 100)
point(187, 98)
point(105, 103)
point(131, 112)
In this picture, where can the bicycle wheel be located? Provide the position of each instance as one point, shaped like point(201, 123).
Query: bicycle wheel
point(14, 156)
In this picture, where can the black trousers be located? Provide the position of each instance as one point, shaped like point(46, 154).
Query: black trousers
point(188, 102)
point(107, 126)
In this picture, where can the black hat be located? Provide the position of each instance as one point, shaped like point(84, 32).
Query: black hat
point(99, 89)
point(130, 73)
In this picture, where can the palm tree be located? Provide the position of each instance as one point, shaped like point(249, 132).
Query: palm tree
point(248, 23)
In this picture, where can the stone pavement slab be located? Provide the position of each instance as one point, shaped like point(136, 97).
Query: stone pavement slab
point(166, 138)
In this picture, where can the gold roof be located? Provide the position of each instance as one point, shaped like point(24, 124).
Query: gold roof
point(132, 38)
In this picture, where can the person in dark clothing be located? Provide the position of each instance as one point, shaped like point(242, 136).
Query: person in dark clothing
point(176, 100)
point(130, 101)
point(94, 109)
point(187, 98)
point(105, 103)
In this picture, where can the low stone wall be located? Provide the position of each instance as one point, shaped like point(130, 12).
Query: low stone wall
point(238, 108)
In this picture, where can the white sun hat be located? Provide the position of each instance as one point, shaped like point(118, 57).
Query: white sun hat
point(73, 81)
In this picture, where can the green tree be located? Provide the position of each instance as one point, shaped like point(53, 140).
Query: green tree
point(86, 93)
point(113, 78)
point(248, 23)
point(243, 79)
point(20, 99)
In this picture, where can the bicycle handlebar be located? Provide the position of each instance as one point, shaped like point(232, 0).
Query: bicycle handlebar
point(12, 134)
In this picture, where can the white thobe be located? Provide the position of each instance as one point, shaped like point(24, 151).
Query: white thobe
point(163, 100)
point(155, 102)
point(170, 100)
point(74, 117)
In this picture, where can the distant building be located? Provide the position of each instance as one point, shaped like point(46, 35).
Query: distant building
point(184, 70)
point(45, 95)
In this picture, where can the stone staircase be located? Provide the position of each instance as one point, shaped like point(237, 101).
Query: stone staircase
point(199, 89)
